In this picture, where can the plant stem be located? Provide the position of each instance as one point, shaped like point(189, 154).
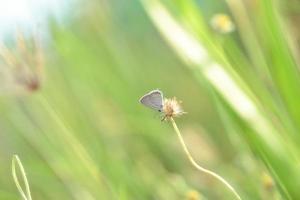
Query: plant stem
point(198, 166)
point(17, 160)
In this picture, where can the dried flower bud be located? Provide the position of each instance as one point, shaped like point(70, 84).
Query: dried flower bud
point(172, 108)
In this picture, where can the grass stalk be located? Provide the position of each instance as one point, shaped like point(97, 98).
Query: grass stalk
point(197, 166)
point(16, 160)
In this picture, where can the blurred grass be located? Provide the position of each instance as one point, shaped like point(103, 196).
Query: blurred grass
point(83, 134)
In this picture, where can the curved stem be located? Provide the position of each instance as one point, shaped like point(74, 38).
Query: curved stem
point(17, 160)
point(198, 166)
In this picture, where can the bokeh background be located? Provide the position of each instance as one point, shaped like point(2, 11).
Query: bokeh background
point(72, 73)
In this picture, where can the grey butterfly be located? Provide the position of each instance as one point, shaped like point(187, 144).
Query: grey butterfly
point(153, 99)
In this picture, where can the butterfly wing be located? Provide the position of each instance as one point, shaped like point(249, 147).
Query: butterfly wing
point(153, 99)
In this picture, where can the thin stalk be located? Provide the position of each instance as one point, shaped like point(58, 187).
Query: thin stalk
point(17, 160)
point(206, 171)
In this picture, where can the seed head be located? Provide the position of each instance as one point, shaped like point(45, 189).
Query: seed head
point(21, 65)
point(172, 108)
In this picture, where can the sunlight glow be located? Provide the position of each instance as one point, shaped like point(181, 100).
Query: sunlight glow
point(26, 14)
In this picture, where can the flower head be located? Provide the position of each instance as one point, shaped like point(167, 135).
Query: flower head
point(222, 23)
point(172, 108)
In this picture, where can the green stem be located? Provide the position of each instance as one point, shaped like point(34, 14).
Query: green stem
point(17, 160)
point(206, 171)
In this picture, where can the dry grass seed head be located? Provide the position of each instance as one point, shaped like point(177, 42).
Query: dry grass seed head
point(24, 64)
point(172, 108)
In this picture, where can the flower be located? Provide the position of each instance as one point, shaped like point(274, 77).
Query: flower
point(222, 23)
point(172, 108)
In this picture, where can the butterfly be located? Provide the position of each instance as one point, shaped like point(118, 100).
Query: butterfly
point(153, 99)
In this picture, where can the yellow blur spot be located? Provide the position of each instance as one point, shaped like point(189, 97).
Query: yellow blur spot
point(193, 195)
point(222, 23)
point(267, 181)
